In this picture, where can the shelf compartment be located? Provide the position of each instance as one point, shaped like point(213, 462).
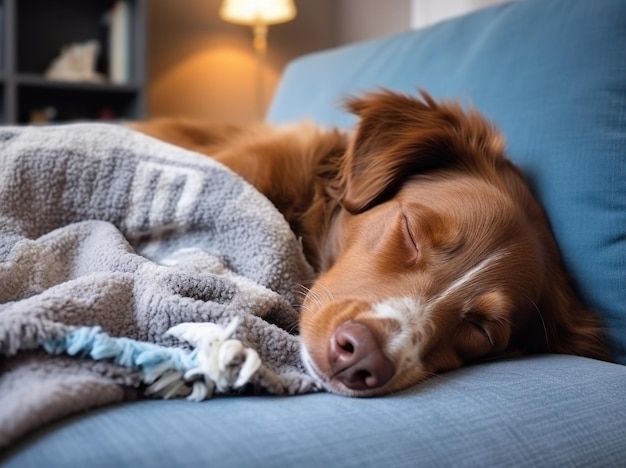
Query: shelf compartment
point(58, 24)
point(38, 81)
point(67, 102)
point(32, 34)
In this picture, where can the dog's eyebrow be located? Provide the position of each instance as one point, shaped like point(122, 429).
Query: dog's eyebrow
point(469, 275)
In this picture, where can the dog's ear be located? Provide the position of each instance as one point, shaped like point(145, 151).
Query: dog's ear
point(399, 135)
point(384, 150)
point(559, 321)
point(563, 325)
point(568, 326)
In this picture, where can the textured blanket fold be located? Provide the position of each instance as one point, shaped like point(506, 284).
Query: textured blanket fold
point(108, 239)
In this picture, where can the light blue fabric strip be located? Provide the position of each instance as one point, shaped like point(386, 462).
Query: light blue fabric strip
point(154, 360)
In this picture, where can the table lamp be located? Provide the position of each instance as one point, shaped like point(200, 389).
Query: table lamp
point(259, 14)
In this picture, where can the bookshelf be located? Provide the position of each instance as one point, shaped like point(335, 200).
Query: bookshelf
point(32, 35)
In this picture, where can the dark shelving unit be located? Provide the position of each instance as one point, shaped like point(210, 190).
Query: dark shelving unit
point(32, 34)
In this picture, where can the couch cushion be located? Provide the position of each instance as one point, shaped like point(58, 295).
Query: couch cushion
point(535, 411)
point(552, 75)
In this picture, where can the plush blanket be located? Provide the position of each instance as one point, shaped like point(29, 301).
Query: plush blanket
point(108, 239)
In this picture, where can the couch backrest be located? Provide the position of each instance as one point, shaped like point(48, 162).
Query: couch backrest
point(552, 75)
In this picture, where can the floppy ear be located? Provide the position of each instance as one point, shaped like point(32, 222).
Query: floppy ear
point(560, 322)
point(399, 135)
point(565, 326)
point(383, 153)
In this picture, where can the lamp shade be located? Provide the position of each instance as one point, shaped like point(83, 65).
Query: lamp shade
point(252, 12)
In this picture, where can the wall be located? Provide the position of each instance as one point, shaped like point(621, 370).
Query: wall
point(425, 12)
point(199, 66)
point(364, 19)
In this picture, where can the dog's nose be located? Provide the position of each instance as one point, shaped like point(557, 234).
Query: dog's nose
point(357, 359)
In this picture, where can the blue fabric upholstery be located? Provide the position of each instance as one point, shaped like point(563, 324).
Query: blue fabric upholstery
point(552, 75)
point(541, 411)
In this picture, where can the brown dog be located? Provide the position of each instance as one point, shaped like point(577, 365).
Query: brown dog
point(431, 250)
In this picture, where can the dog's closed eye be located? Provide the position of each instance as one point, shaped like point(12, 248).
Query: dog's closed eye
point(486, 328)
point(476, 337)
point(410, 242)
point(479, 325)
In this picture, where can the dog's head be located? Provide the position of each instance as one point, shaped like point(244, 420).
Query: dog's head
point(441, 256)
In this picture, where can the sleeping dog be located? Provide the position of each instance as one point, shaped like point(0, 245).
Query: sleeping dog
point(431, 251)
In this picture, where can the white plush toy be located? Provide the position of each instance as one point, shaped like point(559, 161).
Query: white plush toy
point(77, 62)
point(223, 363)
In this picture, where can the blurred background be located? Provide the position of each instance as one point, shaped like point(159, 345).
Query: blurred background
point(67, 60)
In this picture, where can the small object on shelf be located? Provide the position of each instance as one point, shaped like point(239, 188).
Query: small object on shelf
point(43, 116)
point(48, 59)
point(119, 42)
point(106, 113)
point(77, 62)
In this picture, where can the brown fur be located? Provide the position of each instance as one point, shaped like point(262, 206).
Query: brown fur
point(431, 250)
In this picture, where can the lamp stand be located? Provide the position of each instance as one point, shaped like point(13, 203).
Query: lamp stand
point(260, 46)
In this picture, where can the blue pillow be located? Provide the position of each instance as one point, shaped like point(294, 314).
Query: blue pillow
point(552, 75)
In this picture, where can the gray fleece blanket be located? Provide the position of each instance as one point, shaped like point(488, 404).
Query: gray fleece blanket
point(108, 239)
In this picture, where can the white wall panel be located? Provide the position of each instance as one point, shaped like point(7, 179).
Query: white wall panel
point(425, 12)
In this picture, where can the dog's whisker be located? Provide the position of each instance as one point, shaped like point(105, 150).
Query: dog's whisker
point(307, 308)
point(329, 296)
point(317, 298)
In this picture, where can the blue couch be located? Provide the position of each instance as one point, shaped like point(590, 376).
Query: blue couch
point(552, 75)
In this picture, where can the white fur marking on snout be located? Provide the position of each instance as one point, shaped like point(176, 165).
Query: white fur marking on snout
point(412, 316)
